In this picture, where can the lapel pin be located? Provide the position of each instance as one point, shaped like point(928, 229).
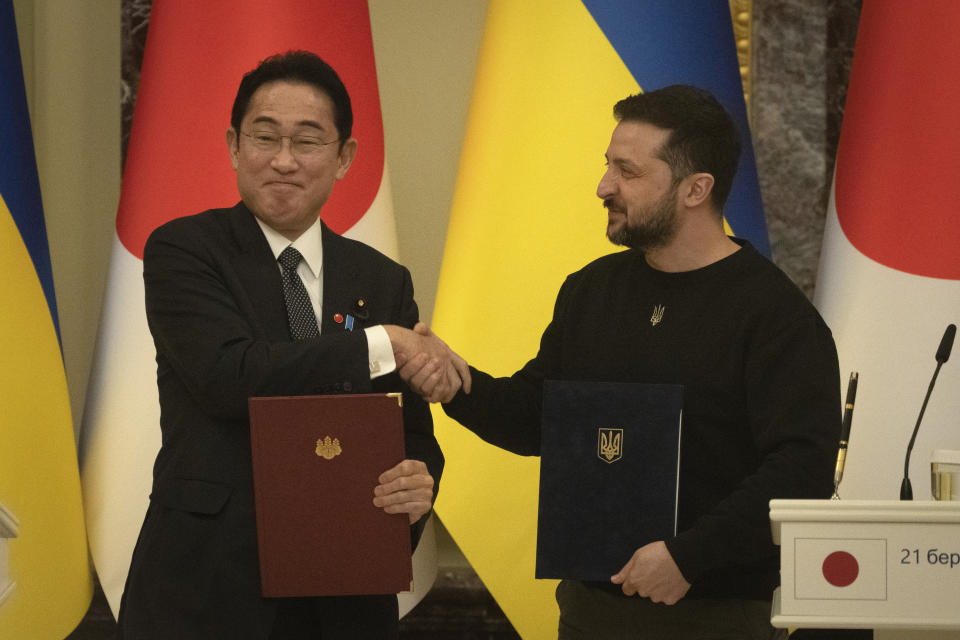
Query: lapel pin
point(337, 318)
point(361, 309)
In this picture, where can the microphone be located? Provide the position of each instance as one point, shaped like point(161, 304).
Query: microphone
point(845, 433)
point(943, 354)
point(946, 343)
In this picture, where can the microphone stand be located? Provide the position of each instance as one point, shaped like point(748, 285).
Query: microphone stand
point(943, 354)
point(906, 489)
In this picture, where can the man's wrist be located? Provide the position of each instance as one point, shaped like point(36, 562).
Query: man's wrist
point(380, 351)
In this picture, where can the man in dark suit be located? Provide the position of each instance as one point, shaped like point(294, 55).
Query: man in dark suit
point(233, 316)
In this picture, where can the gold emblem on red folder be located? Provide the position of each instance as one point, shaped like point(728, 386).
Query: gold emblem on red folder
point(609, 444)
point(328, 449)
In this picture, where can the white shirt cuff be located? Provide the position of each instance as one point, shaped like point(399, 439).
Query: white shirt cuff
point(379, 352)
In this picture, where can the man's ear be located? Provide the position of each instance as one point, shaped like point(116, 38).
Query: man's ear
point(347, 153)
point(233, 147)
point(696, 189)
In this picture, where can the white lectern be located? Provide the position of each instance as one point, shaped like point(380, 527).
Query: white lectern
point(868, 564)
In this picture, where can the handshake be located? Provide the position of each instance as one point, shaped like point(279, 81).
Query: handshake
point(427, 364)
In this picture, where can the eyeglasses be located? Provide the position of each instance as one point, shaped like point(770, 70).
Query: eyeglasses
point(270, 142)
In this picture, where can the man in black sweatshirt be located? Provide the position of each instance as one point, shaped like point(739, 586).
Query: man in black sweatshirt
point(688, 305)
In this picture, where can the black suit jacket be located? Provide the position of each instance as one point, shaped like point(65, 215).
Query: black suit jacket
point(215, 308)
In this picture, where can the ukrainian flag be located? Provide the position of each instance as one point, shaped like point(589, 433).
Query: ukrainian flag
point(45, 582)
point(525, 215)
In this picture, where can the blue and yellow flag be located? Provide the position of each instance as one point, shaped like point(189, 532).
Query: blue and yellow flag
point(45, 581)
point(525, 214)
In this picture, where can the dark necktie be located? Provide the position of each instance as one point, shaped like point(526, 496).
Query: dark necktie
point(300, 316)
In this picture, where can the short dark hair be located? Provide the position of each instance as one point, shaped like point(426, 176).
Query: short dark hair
point(296, 66)
point(703, 137)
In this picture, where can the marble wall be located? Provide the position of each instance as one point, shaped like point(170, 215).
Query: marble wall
point(802, 52)
point(135, 22)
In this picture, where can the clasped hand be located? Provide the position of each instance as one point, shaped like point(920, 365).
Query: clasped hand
point(427, 364)
point(405, 488)
point(652, 573)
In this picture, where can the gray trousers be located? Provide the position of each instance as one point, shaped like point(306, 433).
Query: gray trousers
point(593, 614)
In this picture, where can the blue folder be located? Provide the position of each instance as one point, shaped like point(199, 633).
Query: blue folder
point(609, 474)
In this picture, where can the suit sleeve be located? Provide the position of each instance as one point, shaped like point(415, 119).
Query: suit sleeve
point(506, 412)
point(208, 340)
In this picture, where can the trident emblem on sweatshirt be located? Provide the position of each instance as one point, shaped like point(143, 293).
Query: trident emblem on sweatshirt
point(609, 444)
point(657, 315)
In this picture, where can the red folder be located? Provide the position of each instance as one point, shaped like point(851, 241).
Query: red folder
point(316, 460)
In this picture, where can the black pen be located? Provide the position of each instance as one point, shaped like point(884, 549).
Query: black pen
point(845, 432)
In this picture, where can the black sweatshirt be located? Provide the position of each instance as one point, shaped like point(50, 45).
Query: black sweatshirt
point(761, 415)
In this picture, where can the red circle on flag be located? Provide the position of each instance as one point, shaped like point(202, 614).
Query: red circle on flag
point(840, 568)
point(898, 146)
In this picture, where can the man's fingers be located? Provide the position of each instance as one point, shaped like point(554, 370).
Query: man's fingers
point(400, 498)
point(652, 573)
point(621, 578)
point(463, 370)
point(412, 365)
point(405, 488)
point(414, 510)
point(415, 505)
point(422, 329)
point(448, 387)
point(427, 378)
point(406, 467)
point(433, 379)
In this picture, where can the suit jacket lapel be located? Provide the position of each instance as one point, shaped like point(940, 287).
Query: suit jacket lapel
point(258, 273)
point(342, 288)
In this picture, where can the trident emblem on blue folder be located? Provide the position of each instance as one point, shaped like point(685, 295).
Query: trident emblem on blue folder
point(609, 444)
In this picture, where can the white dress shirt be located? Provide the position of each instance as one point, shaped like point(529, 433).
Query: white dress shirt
point(310, 270)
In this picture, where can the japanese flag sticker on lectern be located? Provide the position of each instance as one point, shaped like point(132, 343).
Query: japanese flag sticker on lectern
point(840, 569)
